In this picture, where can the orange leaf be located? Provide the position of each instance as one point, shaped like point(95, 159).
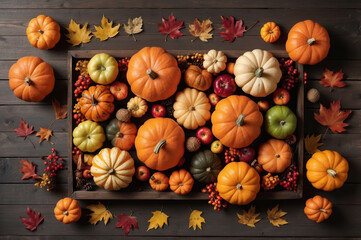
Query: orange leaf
point(28, 169)
point(332, 117)
point(331, 79)
point(45, 134)
point(60, 111)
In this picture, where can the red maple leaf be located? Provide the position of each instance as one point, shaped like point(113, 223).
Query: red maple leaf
point(24, 130)
point(233, 30)
point(28, 169)
point(332, 79)
point(332, 117)
point(33, 221)
point(126, 223)
point(171, 27)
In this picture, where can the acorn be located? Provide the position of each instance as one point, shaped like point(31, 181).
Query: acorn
point(123, 115)
point(313, 95)
point(193, 144)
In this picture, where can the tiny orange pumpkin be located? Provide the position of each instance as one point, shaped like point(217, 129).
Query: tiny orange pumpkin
point(159, 181)
point(67, 210)
point(198, 78)
point(270, 32)
point(181, 182)
point(275, 156)
point(318, 209)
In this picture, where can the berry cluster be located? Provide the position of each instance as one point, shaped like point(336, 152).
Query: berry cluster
point(83, 82)
point(77, 115)
point(289, 73)
point(82, 66)
point(76, 151)
point(185, 61)
point(232, 155)
point(123, 66)
point(214, 198)
point(289, 181)
point(53, 166)
point(270, 182)
point(45, 182)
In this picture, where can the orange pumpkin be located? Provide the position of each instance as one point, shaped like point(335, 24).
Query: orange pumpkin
point(119, 90)
point(236, 121)
point(308, 42)
point(327, 170)
point(230, 68)
point(274, 156)
point(97, 103)
point(318, 209)
point(159, 181)
point(181, 182)
point(31, 79)
point(270, 32)
point(238, 183)
point(43, 32)
point(198, 78)
point(160, 143)
point(67, 210)
point(153, 74)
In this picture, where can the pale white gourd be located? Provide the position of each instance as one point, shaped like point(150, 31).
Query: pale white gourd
point(214, 61)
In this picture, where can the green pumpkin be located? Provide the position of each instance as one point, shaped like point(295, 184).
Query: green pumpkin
point(111, 130)
point(280, 122)
point(205, 166)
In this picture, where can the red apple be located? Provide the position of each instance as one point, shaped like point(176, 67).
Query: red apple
point(224, 85)
point(205, 135)
point(213, 99)
point(142, 173)
point(86, 173)
point(247, 154)
point(263, 105)
point(281, 96)
point(158, 111)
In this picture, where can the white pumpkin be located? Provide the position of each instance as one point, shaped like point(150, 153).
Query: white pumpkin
point(214, 61)
point(112, 169)
point(257, 73)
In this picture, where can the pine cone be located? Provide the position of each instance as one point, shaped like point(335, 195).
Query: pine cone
point(79, 183)
point(170, 111)
point(88, 186)
point(168, 102)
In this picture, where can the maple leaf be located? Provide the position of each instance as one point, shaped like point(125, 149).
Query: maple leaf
point(158, 219)
point(24, 130)
point(332, 79)
point(274, 216)
point(28, 169)
point(312, 143)
point(134, 26)
point(33, 221)
point(78, 35)
point(106, 30)
point(201, 30)
point(171, 27)
point(195, 220)
point(233, 30)
point(332, 117)
point(60, 111)
point(45, 134)
point(99, 212)
point(126, 223)
point(249, 218)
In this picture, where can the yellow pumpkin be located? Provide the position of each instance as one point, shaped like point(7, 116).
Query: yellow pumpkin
point(88, 136)
point(137, 107)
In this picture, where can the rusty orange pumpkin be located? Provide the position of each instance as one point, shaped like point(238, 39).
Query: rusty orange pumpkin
point(159, 181)
point(181, 182)
point(67, 210)
point(318, 209)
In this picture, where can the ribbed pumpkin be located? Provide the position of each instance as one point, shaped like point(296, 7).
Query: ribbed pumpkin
point(236, 121)
point(238, 183)
point(205, 166)
point(318, 209)
point(327, 170)
point(160, 143)
point(103, 68)
point(97, 103)
point(31, 79)
point(274, 156)
point(43, 32)
point(270, 32)
point(67, 210)
point(153, 74)
point(181, 182)
point(159, 181)
point(112, 169)
point(215, 61)
point(308, 42)
point(137, 107)
point(198, 78)
point(121, 135)
point(88, 136)
point(192, 108)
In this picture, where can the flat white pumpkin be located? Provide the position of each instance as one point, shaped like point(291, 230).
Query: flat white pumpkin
point(257, 73)
point(214, 61)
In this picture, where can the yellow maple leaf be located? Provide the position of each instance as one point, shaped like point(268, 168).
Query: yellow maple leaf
point(158, 219)
point(134, 26)
point(201, 30)
point(249, 218)
point(99, 212)
point(274, 216)
point(195, 219)
point(106, 30)
point(78, 35)
point(312, 143)
point(45, 134)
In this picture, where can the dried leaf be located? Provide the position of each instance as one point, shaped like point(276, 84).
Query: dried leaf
point(195, 220)
point(100, 212)
point(45, 134)
point(332, 117)
point(60, 111)
point(158, 219)
point(78, 35)
point(126, 223)
point(134, 26)
point(233, 30)
point(171, 27)
point(312, 143)
point(274, 216)
point(249, 218)
point(24, 130)
point(201, 30)
point(28, 169)
point(33, 221)
point(106, 30)
point(332, 79)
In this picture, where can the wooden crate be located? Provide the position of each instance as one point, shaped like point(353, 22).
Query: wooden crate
point(144, 192)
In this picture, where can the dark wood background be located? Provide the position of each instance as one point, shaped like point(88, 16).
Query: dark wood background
point(342, 20)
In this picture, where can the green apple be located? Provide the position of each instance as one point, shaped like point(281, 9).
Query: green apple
point(280, 122)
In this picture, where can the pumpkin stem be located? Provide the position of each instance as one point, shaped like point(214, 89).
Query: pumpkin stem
point(151, 74)
point(28, 81)
point(119, 135)
point(282, 123)
point(240, 120)
point(102, 68)
point(277, 155)
point(311, 41)
point(331, 172)
point(66, 213)
point(215, 61)
point(208, 169)
point(192, 108)
point(159, 145)
point(258, 72)
point(323, 210)
point(270, 31)
point(111, 171)
point(181, 184)
point(239, 186)
point(93, 101)
point(40, 31)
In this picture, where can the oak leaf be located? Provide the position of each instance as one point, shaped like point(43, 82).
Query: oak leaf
point(332, 79)
point(312, 143)
point(24, 130)
point(195, 220)
point(100, 212)
point(61, 111)
point(233, 30)
point(134, 26)
point(249, 218)
point(78, 35)
point(106, 30)
point(158, 219)
point(201, 29)
point(28, 169)
point(171, 27)
point(45, 134)
point(275, 216)
point(33, 221)
point(332, 117)
point(126, 223)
